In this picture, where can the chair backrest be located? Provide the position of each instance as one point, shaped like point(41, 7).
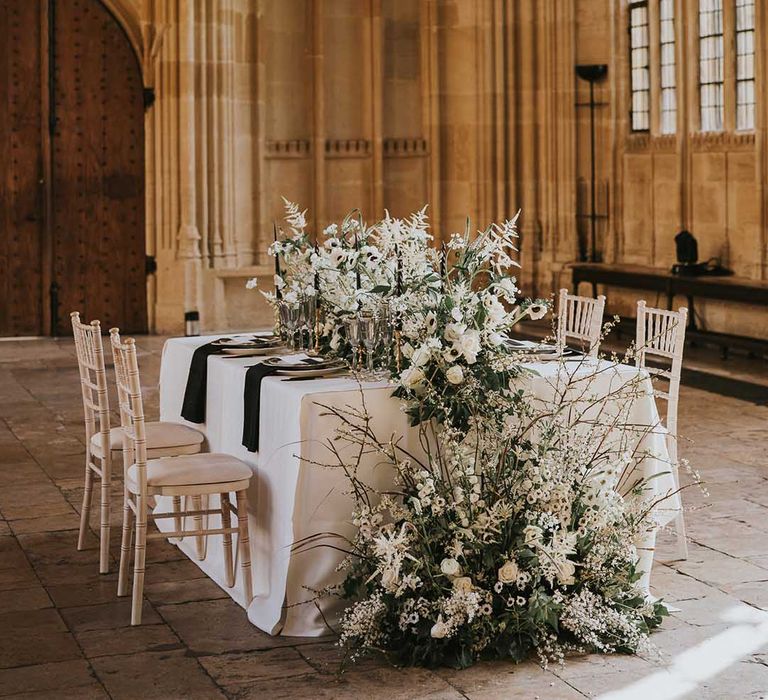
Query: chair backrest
point(661, 334)
point(131, 407)
point(580, 318)
point(93, 379)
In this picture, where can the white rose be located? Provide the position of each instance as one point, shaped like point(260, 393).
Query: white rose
point(252, 283)
point(455, 375)
point(469, 345)
point(566, 573)
point(462, 584)
point(439, 629)
point(450, 567)
point(412, 377)
point(508, 573)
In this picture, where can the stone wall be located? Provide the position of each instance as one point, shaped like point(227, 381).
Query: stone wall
point(472, 106)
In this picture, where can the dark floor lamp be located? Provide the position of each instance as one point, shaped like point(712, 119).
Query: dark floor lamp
point(592, 73)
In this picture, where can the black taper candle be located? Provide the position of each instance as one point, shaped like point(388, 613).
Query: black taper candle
point(278, 293)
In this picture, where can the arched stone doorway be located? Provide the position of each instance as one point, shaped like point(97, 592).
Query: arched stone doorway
point(72, 194)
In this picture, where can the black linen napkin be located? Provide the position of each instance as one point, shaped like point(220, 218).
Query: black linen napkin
point(251, 403)
point(193, 407)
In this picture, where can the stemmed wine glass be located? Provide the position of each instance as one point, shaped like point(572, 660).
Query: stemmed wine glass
point(352, 325)
point(368, 324)
point(385, 333)
point(289, 320)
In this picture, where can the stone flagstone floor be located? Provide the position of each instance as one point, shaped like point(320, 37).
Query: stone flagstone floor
point(64, 634)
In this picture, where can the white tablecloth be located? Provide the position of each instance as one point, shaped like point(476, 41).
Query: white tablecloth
point(291, 500)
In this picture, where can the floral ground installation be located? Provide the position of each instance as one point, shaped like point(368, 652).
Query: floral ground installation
point(512, 530)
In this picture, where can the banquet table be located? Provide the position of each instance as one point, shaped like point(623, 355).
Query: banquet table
point(295, 496)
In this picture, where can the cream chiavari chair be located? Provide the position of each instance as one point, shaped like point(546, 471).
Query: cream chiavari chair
point(93, 383)
point(164, 439)
point(580, 318)
point(196, 475)
point(661, 335)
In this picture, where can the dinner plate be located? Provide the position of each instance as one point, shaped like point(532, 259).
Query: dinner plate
point(314, 372)
point(303, 366)
point(254, 350)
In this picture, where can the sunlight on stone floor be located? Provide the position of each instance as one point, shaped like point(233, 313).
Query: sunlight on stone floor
point(65, 634)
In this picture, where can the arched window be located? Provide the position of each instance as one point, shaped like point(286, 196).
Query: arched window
point(745, 64)
point(711, 64)
point(667, 77)
point(639, 60)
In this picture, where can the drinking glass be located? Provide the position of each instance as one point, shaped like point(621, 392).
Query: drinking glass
point(385, 329)
point(352, 325)
point(368, 332)
point(308, 320)
point(289, 319)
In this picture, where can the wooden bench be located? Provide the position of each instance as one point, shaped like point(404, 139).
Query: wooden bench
point(736, 289)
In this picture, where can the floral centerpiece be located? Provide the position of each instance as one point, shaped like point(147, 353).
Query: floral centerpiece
point(515, 531)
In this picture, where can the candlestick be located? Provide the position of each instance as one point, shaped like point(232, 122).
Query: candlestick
point(278, 293)
point(357, 263)
point(442, 260)
point(399, 276)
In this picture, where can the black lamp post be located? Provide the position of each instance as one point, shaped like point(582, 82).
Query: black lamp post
point(592, 73)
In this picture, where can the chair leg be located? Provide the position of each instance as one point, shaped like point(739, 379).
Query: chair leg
point(139, 560)
point(106, 513)
point(125, 548)
point(245, 545)
point(197, 504)
point(178, 524)
point(85, 511)
point(226, 523)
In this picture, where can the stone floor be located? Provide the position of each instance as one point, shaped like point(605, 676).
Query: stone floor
point(64, 634)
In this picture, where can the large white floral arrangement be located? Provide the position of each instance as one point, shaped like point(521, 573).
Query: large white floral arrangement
point(514, 532)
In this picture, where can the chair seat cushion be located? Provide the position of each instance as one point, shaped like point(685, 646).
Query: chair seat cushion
point(161, 435)
point(189, 470)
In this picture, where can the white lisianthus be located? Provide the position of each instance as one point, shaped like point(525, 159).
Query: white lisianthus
point(495, 339)
point(463, 584)
point(412, 377)
point(450, 567)
point(439, 629)
point(453, 331)
point(507, 288)
point(566, 572)
point(533, 534)
point(536, 310)
point(252, 283)
point(455, 375)
point(421, 356)
point(509, 572)
point(279, 282)
point(389, 579)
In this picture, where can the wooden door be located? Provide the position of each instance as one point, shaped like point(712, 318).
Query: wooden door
point(21, 165)
point(72, 180)
point(98, 245)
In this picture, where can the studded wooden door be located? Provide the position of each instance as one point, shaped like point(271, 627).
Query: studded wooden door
point(98, 245)
point(21, 163)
